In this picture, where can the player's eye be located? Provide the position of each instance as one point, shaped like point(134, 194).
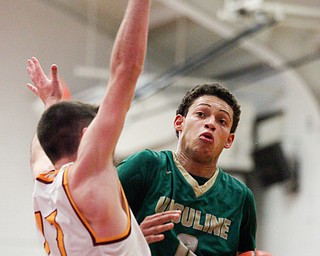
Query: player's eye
point(200, 114)
point(222, 121)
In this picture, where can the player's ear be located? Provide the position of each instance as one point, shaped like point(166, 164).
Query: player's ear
point(229, 141)
point(178, 122)
point(83, 131)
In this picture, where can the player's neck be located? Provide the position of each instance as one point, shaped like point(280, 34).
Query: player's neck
point(196, 168)
point(62, 161)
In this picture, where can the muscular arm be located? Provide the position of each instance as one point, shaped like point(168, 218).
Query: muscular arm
point(94, 182)
point(126, 64)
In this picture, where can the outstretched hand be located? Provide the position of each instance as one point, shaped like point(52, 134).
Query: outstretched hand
point(48, 90)
point(154, 225)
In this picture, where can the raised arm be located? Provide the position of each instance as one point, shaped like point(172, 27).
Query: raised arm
point(50, 92)
point(93, 179)
point(127, 60)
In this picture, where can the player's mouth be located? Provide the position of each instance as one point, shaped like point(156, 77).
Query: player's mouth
point(207, 136)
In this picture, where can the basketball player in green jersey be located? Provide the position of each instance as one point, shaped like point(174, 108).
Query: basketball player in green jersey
point(202, 209)
point(185, 203)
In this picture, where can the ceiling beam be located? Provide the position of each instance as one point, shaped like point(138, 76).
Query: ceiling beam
point(169, 77)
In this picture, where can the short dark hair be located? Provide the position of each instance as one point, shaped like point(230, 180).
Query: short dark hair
point(214, 89)
point(60, 127)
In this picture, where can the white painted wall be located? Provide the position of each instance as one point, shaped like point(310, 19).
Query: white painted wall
point(288, 222)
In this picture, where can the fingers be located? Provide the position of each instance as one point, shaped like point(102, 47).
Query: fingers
point(35, 70)
point(155, 234)
point(29, 71)
point(54, 73)
point(49, 91)
point(158, 230)
point(31, 64)
point(154, 238)
point(32, 88)
point(37, 65)
point(154, 225)
point(163, 217)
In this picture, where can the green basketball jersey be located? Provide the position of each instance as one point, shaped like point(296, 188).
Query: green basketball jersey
point(218, 218)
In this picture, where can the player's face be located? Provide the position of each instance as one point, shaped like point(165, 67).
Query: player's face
point(205, 131)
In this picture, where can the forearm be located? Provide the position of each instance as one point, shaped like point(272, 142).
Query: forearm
point(126, 65)
point(130, 45)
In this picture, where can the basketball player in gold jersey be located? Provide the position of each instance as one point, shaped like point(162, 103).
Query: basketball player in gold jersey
point(75, 216)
